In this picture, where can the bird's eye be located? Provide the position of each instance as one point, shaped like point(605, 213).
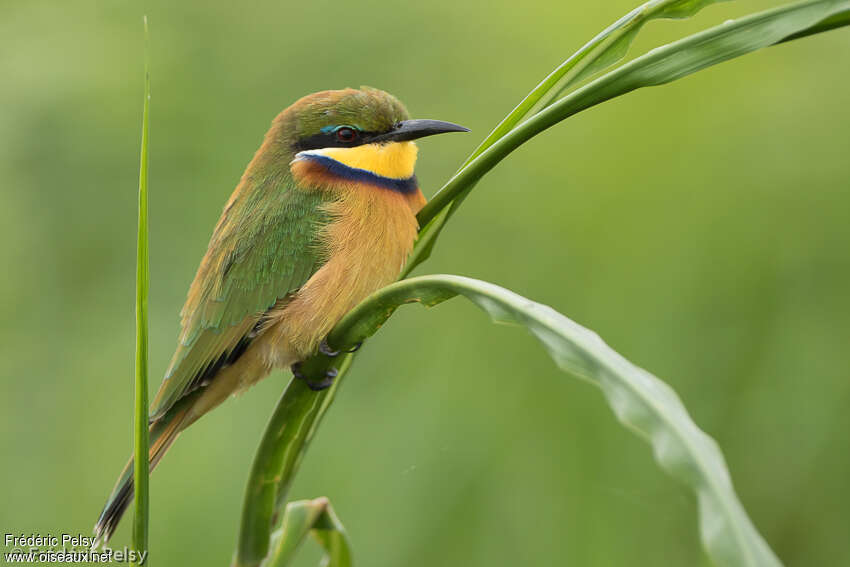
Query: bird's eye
point(346, 134)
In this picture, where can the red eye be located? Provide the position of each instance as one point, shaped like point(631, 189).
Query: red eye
point(346, 134)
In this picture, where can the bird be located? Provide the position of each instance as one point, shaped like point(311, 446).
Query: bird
point(324, 215)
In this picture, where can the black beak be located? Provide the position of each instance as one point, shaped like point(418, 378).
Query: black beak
point(413, 129)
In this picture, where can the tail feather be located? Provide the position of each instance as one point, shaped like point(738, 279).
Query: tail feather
point(162, 433)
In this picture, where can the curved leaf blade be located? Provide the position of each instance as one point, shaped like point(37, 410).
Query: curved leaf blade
point(315, 517)
point(640, 401)
point(659, 66)
point(616, 47)
point(605, 49)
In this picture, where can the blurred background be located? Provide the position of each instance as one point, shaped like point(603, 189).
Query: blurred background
point(701, 228)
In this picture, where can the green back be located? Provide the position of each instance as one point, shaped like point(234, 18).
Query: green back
point(263, 248)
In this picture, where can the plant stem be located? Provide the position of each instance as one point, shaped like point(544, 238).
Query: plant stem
point(285, 439)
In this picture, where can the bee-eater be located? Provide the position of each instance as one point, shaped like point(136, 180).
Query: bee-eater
point(323, 216)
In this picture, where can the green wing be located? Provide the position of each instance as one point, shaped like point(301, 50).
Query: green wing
point(263, 248)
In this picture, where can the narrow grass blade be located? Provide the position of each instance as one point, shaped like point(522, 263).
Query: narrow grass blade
point(608, 47)
point(316, 517)
point(617, 46)
point(639, 400)
point(837, 20)
point(141, 471)
point(662, 65)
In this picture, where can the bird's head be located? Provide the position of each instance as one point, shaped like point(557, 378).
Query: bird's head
point(360, 135)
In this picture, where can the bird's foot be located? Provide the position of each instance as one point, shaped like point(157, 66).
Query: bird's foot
point(326, 382)
point(326, 349)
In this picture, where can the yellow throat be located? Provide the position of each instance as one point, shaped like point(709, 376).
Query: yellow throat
point(394, 160)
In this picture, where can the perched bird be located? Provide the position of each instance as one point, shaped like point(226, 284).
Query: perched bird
point(323, 216)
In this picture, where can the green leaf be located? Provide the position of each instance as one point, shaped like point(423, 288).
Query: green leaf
point(310, 516)
point(641, 402)
point(615, 48)
point(608, 47)
point(140, 444)
point(659, 66)
point(300, 410)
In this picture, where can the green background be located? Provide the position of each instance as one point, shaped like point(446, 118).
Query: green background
point(701, 228)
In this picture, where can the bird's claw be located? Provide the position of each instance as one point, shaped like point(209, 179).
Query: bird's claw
point(326, 382)
point(330, 373)
point(326, 349)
